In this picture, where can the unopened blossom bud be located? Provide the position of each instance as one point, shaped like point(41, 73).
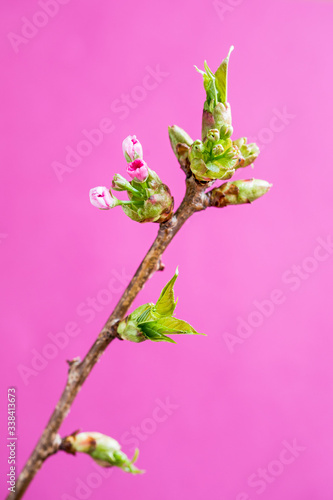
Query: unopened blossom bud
point(138, 170)
point(132, 148)
point(119, 183)
point(180, 141)
point(240, 142)
point(217, 150)
point(226, 131)
point(105, 450)
point(149, 200)
point(238, 192)
point(248, 152)
point(213, 135)
point(196, 150)
point(101, 198)
point(197, 156)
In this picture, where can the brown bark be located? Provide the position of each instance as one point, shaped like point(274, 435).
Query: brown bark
point(194, 200)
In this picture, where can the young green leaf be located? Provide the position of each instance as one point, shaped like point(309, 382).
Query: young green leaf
point(209, 86)
point(153, 322)
point(166, 303)
point(221, 75)
point(157, 330)
point(150, 332)
point(174, 326)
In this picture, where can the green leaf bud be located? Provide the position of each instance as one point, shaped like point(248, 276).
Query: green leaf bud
point(105, 450)
point(180, 141)
point(238, 192)
point(153, 322)
point(216, 111)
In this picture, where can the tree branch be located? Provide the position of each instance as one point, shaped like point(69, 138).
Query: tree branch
point(194, 200)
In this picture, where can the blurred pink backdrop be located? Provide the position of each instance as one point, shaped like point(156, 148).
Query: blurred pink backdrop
point(231, 417)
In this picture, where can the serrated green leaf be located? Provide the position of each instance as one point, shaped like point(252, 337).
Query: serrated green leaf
point(166, 303)
point(176, 326)
point(170, 325)
point(221, 75)
point(149, 331)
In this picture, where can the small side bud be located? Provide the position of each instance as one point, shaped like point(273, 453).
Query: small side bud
point(132, 148)
point(105, 450)
point(238, 192)
point(180, 140)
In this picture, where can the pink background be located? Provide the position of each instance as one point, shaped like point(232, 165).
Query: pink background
point(231, 412)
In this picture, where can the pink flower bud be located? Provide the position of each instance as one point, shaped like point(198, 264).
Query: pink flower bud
point(138, 170)
point(101, 198)
point(132, 148)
